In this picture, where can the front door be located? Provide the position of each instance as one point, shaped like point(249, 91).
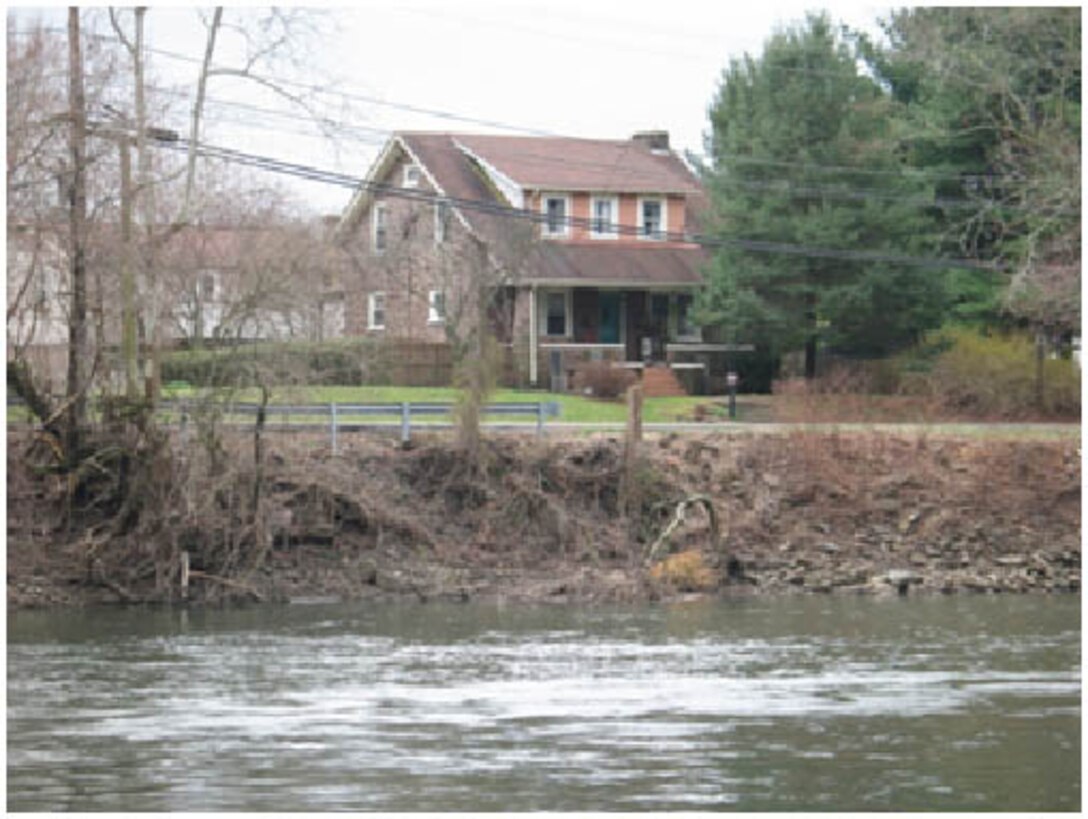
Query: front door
point(610, 318)
point(659, 323)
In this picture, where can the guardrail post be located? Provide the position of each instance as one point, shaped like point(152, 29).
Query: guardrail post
point(405, 422)
point(332, 426)
point(539, 418)
point(183, 422)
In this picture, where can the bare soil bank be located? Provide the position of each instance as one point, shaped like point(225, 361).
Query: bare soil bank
point(801, 512)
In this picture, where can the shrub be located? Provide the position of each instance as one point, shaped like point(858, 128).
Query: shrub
point(601, 380)
point(342, 362)
point(994, 375)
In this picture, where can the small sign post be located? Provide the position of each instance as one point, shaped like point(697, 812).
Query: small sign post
point(731, 383)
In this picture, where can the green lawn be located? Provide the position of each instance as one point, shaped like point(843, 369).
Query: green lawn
point(573, 408)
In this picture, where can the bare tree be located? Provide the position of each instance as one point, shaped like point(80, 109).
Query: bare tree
point(477, 278)
point(36, 159)
point(78, 352)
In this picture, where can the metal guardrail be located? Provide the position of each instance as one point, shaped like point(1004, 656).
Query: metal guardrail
point(405, 410)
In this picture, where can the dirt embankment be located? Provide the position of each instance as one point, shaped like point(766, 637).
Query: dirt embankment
point(798, 512)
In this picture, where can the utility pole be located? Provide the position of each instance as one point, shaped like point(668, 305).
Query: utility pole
point(123, 134)
point(77, 266)
point(129, 350)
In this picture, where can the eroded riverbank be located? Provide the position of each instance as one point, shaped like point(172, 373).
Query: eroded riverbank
point(802, 512)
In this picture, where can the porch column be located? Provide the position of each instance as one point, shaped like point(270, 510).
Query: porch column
point(533, 333)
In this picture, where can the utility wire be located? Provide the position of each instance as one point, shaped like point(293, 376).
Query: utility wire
point(349, 132)
point(778, 186)
point(494, 209)
point(906, 172)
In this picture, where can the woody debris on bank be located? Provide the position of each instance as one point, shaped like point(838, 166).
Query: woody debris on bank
point(800, 512)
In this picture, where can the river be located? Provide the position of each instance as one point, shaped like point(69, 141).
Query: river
point(814, 703)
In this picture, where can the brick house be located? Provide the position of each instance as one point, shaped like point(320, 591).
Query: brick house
point(604, 269)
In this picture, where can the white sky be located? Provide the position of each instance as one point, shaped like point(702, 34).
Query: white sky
point(600, 69)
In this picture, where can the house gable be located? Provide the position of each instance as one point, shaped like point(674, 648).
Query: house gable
point(384, 173)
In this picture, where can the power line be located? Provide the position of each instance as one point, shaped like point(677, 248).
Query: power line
point(785, 187)
point(378, 135)
point(494, 209)
point(903, 173)
point(320, 89)
point(354, 95)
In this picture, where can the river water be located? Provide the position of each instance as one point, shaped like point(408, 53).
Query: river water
point(817, 703)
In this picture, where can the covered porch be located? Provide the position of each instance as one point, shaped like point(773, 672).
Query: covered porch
point(630, 327)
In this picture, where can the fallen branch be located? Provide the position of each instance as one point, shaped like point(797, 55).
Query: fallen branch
point(678, 518)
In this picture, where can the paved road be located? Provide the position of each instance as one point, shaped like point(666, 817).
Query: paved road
point(1015, 430)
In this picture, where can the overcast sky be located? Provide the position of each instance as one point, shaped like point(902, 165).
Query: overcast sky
point(601, 69)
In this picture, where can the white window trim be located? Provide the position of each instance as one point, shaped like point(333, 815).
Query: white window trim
point(370, 310)
point(432, 315)
point(568, 312)
point(664, 218)
point(441, 229)
point(379, 207)
point(565, 227)
point(614, 233)
point(406, 181)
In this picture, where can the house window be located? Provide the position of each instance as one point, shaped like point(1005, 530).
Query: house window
point(379, 226)
point(556, 209)
point(441, 221)
point(411, 176)
point(436, 307)
point(375, 311)
point(604, 212)
point(651, 218)
point(556, 317)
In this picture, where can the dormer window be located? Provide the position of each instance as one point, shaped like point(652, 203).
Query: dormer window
point(556, 210)
point(651, 218)
point(604, 215)
point(411, 176)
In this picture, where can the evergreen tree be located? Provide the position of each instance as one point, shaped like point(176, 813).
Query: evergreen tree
point(991, 101)
point(804, 155)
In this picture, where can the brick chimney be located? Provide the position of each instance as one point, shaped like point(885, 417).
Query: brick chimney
point(654, 140)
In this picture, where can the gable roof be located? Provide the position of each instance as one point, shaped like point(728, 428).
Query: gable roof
point(451, 163)
point(572, 164)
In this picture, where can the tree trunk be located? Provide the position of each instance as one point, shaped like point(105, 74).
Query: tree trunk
point(77, 268)
point(1040, 370)
point(143, 192)
point(810, 357)
point(811, 342)
point(198, 108)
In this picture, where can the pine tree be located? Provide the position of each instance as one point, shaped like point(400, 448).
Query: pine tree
point(804, 155)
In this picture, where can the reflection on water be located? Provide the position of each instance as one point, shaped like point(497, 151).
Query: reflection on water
point(798, 703)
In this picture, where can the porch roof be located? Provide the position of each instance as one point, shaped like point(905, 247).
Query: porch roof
point(619, 265)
